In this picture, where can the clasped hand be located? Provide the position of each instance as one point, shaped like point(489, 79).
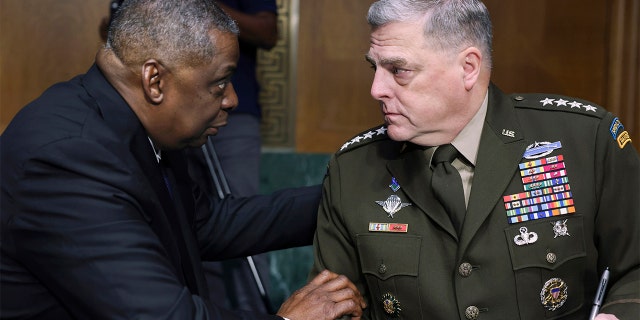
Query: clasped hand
point(328, 296)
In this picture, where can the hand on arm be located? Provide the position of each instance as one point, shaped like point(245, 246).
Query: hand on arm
point(327, 296)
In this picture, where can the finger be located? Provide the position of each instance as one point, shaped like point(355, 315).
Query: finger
point(323, 277)
point(349, 307)
point(338, 282)
point(317, 281)
point(342, 288)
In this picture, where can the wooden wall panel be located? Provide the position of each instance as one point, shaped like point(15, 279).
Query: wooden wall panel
point(43, 42)
point(551, 46)
point(583, 48)
point(333, 101)
point(624, 65)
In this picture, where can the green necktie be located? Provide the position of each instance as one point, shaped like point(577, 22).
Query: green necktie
point(447, 184)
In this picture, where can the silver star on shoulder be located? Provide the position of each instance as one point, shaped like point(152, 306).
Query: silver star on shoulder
point(575, 104)
point(546, 101)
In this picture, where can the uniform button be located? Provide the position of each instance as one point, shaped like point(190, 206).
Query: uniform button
point(551, 257)
point(465, 269)
point(518, 98)
point(472, 312)
point(382, 268)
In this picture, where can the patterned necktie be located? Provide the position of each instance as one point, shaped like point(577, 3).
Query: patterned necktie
point(447, 184)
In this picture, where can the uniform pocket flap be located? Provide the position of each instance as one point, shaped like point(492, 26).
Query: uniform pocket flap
point(546, 243)
point(388, 255)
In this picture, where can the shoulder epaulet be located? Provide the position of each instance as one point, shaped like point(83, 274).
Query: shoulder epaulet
point(364, 138)
point(558, 103)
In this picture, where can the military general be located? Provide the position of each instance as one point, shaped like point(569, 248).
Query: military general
point(469, 203)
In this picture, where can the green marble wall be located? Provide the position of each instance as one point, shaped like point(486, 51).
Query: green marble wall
point(290, 267)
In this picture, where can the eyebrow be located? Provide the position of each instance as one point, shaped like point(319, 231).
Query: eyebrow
point(394, 61)
point(229, 71)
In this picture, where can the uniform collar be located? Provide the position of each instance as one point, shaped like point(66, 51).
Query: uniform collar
point(467, 141)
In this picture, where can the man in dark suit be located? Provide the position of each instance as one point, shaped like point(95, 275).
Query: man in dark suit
point(99, 217)
point(546, 186)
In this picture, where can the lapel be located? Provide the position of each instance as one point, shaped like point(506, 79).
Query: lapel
point(411, 169)
point(166, 218)
point(493, 173)
point(184, 214)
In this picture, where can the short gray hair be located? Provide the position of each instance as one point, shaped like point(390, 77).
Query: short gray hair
point(450, 24)
point(174, 31)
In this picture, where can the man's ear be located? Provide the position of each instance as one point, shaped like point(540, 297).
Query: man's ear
point(152, 80)
point(471, 59)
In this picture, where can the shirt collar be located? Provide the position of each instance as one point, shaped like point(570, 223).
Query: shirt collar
point(468, 140)
point(157, 152)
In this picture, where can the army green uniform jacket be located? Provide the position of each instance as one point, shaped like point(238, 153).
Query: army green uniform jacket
point(555, 200)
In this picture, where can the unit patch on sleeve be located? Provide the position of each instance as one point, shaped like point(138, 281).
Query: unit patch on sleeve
point(618, 133)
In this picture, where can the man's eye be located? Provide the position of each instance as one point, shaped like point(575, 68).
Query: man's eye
point(397, 70)
point(223, 85)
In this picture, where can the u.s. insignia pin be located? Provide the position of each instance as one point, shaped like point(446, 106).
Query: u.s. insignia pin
point(391, 305)
point(553, 294)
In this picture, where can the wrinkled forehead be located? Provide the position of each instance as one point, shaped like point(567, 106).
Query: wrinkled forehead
point(396, 37)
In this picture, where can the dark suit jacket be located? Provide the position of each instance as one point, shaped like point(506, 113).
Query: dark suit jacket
point(430, 272)
point(90, 230)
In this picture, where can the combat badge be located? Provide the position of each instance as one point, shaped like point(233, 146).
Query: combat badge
point(560, 228)
point(541, 149)
point(525, 237)
point(392, 205)
point(553, 294)
point(391, 305)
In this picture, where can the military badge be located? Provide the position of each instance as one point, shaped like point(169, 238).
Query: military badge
point(392, 205)
point(388, 227)
point(394, 184)
point(618, 133)
point(553, 294)
point(623, 139)
point(390, 305)
point(560, 228)
point(615, 128)
point(525, 237)
point(546, 193)
point(541, 149)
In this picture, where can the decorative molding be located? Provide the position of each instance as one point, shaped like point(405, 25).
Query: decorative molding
point(276, 72)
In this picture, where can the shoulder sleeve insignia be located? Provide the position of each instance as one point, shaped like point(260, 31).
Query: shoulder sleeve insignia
point(558, 103)
point(618, 133)
point(365, 137)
